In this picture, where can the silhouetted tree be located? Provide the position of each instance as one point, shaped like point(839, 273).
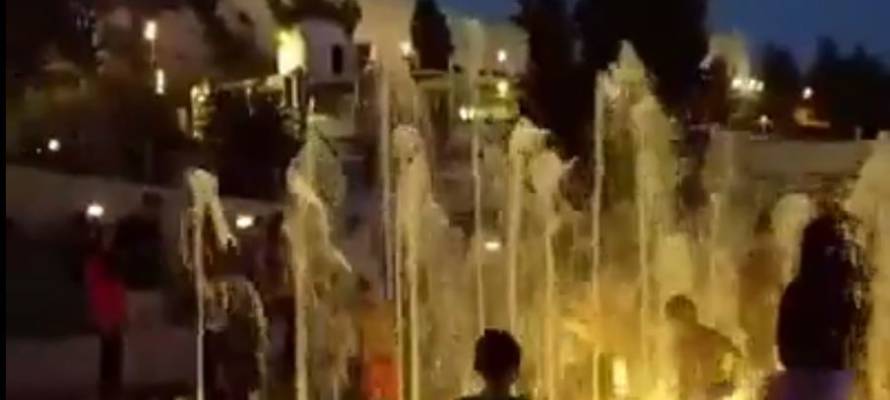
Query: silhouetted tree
point(346, 12)
point(430, 35)
point(35, 28)
point(670, 37)
point(782, 86)
point(557, 94)
point(850, 91)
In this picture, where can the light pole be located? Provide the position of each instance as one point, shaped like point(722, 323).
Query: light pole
point(150, 34)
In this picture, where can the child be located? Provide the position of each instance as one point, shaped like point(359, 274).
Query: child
point(497, 360)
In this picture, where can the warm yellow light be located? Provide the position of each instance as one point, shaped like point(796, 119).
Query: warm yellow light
point(807, 93)
point(244, 221)
point(95, 210)
point(406, 48)
point(502, 56)
point(150, 31)
point(160, 82)
point(291, 51)
point(493, 245)
point(53, 145)
point(503, 88)
point(620, 379)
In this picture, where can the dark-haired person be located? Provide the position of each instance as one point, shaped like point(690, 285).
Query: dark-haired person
point(701, 352)
point(821, 323)
point(497, 360)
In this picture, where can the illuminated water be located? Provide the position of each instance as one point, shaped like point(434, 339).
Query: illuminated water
point(583, 290)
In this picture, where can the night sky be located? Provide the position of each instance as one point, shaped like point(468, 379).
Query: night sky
point(795, 24)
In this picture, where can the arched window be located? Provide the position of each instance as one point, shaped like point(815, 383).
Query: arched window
point(337, 59)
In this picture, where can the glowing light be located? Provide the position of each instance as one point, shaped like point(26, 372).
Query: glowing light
point(291, 51)
point(53, 145)
point(503, 88)
point(493, 245)
point(807, 93)
point(160, 82)
point(502, 56)
point(406, 48)
point(466, 113)
point(737, 83)
point(244, 221)
point(95, 210)
point(620, 381)
point(150, 31)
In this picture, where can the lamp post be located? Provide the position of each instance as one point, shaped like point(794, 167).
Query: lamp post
point(150, 34)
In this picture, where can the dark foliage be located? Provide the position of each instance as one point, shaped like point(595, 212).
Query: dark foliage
point(850, 91)
point(782, 86)
point(430, 35)
point(670, 37)
point(347, 13)
point(35, 28)
point(558, 94)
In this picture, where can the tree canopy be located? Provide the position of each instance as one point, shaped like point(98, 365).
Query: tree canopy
point(430, 36)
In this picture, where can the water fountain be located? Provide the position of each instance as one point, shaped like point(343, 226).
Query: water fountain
point(219, 297)
point(583, 290)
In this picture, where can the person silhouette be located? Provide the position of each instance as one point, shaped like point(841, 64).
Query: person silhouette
point(497, 360)
point(701, 353)
point(821, 324)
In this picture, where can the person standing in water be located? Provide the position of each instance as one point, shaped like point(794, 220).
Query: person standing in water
point(821, 323)
point(760, 287)
point(497, 360)
point(701, 352)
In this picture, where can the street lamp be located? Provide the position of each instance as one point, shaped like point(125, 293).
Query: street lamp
point(502, 56)
point(406, 48)
point(807, 93)
point(503, 88)
point(95, 211)
point(244, 221)
point(160, 82)
point(54, 145)
point(150, 34)
point(764, 122)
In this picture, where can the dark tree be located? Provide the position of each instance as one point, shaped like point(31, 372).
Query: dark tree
point(35, 28)
point(558, 95)
point(670, 37)
point(430, 36)
point(850, 91)
point(347, 13)
point(782, 86)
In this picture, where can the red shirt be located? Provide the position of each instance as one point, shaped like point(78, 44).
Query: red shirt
point(107, 295)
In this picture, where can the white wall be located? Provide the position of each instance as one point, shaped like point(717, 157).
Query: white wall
point(321, 37)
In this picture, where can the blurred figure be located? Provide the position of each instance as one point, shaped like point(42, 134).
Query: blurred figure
point(701, 352)
point(760, 286)
point(332, 339)
point(497, 360)
point(138, 244)
point(108, 309)
point(379, 380)
point(821, 325)
point(235, 339)
point(272, 279)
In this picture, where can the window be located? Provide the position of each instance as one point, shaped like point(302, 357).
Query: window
point(337, 59)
